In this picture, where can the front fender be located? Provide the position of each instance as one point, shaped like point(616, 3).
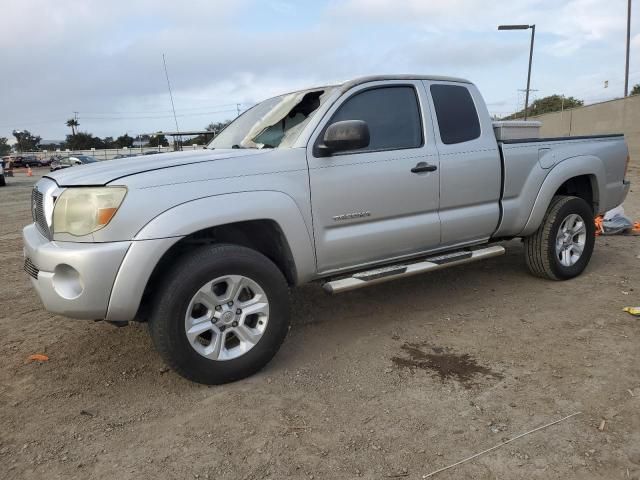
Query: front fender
point(161, 233)
point(569, 168)
point(195, 215)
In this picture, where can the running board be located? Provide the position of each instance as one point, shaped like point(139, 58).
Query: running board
point(393, 272)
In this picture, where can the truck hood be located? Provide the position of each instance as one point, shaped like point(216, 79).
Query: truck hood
point(103, 172)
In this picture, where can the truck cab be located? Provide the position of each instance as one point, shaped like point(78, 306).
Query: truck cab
point(428, 180)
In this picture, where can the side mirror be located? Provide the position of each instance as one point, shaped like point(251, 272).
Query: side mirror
point(343, 136)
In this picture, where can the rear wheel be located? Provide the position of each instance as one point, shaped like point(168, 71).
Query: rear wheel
point(221, 315)
point(562, 246)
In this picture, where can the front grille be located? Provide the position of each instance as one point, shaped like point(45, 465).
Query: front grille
point(37, 212)
point(30, 268)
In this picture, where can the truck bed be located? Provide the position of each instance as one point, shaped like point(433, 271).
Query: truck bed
point(527, 163)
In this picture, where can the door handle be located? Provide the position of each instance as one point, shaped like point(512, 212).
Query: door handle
point(423, 167)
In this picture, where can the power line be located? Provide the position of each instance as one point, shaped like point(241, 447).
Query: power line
point(160, 116)
point(166, 111)
point(157, 117)
point(40, 122)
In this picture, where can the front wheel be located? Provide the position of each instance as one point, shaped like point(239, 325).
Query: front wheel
point(562, 246)
point(221, 315)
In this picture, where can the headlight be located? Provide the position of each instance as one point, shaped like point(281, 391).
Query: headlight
point(80, 211)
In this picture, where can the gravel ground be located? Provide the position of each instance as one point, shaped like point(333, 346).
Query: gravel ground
point(393, 381)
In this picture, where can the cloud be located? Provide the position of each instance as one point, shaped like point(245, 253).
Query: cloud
point(104, 59)
point(441, 16)
point(445, 52)
point(572, 23)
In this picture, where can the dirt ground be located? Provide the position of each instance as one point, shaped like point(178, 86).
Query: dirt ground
point(393, 381)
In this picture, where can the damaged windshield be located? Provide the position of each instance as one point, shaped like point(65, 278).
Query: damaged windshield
point(274, 123)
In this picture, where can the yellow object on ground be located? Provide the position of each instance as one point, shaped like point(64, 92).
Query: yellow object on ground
point(632, 310)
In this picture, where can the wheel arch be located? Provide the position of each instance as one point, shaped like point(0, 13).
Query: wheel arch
point(580, 176)
point(262, 235)
point(269, 222)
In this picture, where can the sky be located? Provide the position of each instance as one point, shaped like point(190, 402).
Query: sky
point(103, 59)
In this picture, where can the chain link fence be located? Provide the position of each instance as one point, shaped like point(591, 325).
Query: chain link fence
point(98, 154)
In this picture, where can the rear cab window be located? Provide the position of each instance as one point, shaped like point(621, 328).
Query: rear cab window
point(456, 113)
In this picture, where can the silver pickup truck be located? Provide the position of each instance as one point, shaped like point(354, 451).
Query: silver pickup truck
point(346, 185)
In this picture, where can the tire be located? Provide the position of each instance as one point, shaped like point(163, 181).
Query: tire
point(173, 308)
point(544, 257)
point(3, 182)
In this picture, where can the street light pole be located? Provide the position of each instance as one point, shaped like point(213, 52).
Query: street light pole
point(626, 67)
point(533, 35)
point(526, 100)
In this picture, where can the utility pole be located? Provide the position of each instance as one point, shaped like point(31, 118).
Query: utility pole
point(525, 91)
point(238, 108)
point(626, 67)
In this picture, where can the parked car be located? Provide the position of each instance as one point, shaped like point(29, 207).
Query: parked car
point(70, 161)
point(348, 186)
point(45, 162)
point(22, 161)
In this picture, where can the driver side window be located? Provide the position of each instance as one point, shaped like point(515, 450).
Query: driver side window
point(392, 114)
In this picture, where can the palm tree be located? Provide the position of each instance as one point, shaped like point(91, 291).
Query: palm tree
point(73, 123)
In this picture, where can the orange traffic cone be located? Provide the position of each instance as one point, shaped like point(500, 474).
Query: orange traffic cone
point(29, 172)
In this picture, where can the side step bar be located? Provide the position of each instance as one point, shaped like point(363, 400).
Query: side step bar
point(393, 272)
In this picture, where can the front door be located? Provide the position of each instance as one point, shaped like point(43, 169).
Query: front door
point(380, 202)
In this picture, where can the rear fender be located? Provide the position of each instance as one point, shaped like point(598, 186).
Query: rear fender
point(559, 174)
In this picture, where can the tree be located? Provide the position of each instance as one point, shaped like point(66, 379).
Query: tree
point(73, 123)
point(158, 139)
point(214, 128)
point(217, 126)
point(124, 141)
point(26, 142)
point(636, 89)
point(108, 142)
point(83, 141)
point(5, 148)
point(552, 103)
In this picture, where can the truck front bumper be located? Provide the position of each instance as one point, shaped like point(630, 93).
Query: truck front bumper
point(72, 279)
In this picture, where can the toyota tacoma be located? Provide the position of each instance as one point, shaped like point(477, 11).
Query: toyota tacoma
point(346, 185)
